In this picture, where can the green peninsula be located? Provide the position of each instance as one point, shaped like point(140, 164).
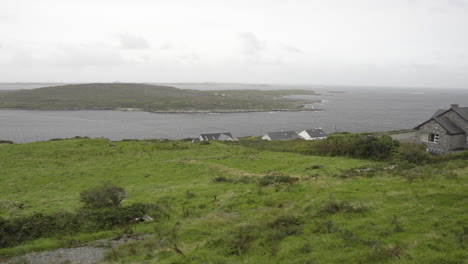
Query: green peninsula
point(152, 98)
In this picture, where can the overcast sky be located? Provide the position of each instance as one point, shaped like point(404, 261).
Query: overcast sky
point(420, 43)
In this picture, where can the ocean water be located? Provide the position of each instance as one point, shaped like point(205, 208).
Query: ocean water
point(354, 110)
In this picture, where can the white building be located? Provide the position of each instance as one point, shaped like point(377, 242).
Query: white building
point(313, 134)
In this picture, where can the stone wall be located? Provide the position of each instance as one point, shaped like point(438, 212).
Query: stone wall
point(446, 141)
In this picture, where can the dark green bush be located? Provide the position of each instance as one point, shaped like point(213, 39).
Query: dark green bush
point(20, 229)
point(275, 178)
point(413, 153)
point(6, 142)
point(284, 226)
point(238, 241)
point(332, 207)
point(222, 179)
point(378, 148)
point(367, 147)
point(103, 196)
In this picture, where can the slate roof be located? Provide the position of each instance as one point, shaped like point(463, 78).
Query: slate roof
point(463, 111)
point(451, 127)
point(283, 135)
point(316, 132)
point(217, 136)
point(439, 112)
point(446, 123)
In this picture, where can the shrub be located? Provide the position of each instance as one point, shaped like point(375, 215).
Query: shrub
point(6, 142)
point(378, 148)
point(368, 147)
point(16, 230)
point(275, 178)
point(103, 196)
point(240, 239)
point(413, 153)
point(221, 179)
point(332, 207)
point(285, 226)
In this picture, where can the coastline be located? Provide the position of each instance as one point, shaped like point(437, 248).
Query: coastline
point(177, 111)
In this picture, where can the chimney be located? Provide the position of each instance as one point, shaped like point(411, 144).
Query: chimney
point(454, 106)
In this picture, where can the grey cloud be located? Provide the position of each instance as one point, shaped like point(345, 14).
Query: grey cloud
point(128, 41)
point(291, 49)
point(22, 58)
point(458, 3)
point(166, 46)
point(189, 58)
point(86, 55)
point(251, 44)
point(420, 66)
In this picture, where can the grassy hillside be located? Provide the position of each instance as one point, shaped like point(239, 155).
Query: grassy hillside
point(243, 203)
point(146, 97)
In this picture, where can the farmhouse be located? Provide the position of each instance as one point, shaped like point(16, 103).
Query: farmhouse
point(225, 136)
point(313, 134)
point(283, 135)
point(445, 130)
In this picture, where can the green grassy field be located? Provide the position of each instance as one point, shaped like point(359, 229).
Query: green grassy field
point(147, 97)
point(330, 213)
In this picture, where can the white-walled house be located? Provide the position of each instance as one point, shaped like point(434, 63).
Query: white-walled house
point(313, 134)
point(225, 136)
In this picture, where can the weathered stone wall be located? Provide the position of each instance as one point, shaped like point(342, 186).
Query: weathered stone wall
point(461, 123)
point(446, 141)
point(458, 142)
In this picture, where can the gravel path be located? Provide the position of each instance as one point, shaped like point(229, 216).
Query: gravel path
point(91, 253)
point(80, 255)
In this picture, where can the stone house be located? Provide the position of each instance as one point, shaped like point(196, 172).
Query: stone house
point(445, 130)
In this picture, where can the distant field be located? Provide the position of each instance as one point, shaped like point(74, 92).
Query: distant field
point(222, 211)
point(148, 98)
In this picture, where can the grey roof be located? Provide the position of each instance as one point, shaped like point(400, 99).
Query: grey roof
point(439, 112)
point(217, 136)
point(451, 127)
point(283, 135)
point(462, 111)
point(316, 132)
point(446, 123)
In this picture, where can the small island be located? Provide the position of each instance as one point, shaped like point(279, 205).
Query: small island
point(152, 98)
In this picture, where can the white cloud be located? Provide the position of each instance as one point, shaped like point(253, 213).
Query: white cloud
point(312, 41)
point(86, 55)
point(291, 49)
point(251, 44)
point(128, 41)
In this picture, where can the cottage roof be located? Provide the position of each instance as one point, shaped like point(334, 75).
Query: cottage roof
point(439, 112)
point(446, 123)
point(462, 111)
point(217, 136)
point(316, 132)
point(451, 127)
point(283, 135)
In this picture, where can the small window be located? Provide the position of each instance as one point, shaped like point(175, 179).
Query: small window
point(432, 137)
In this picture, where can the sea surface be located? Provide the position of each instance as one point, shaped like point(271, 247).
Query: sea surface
point(353, 109)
